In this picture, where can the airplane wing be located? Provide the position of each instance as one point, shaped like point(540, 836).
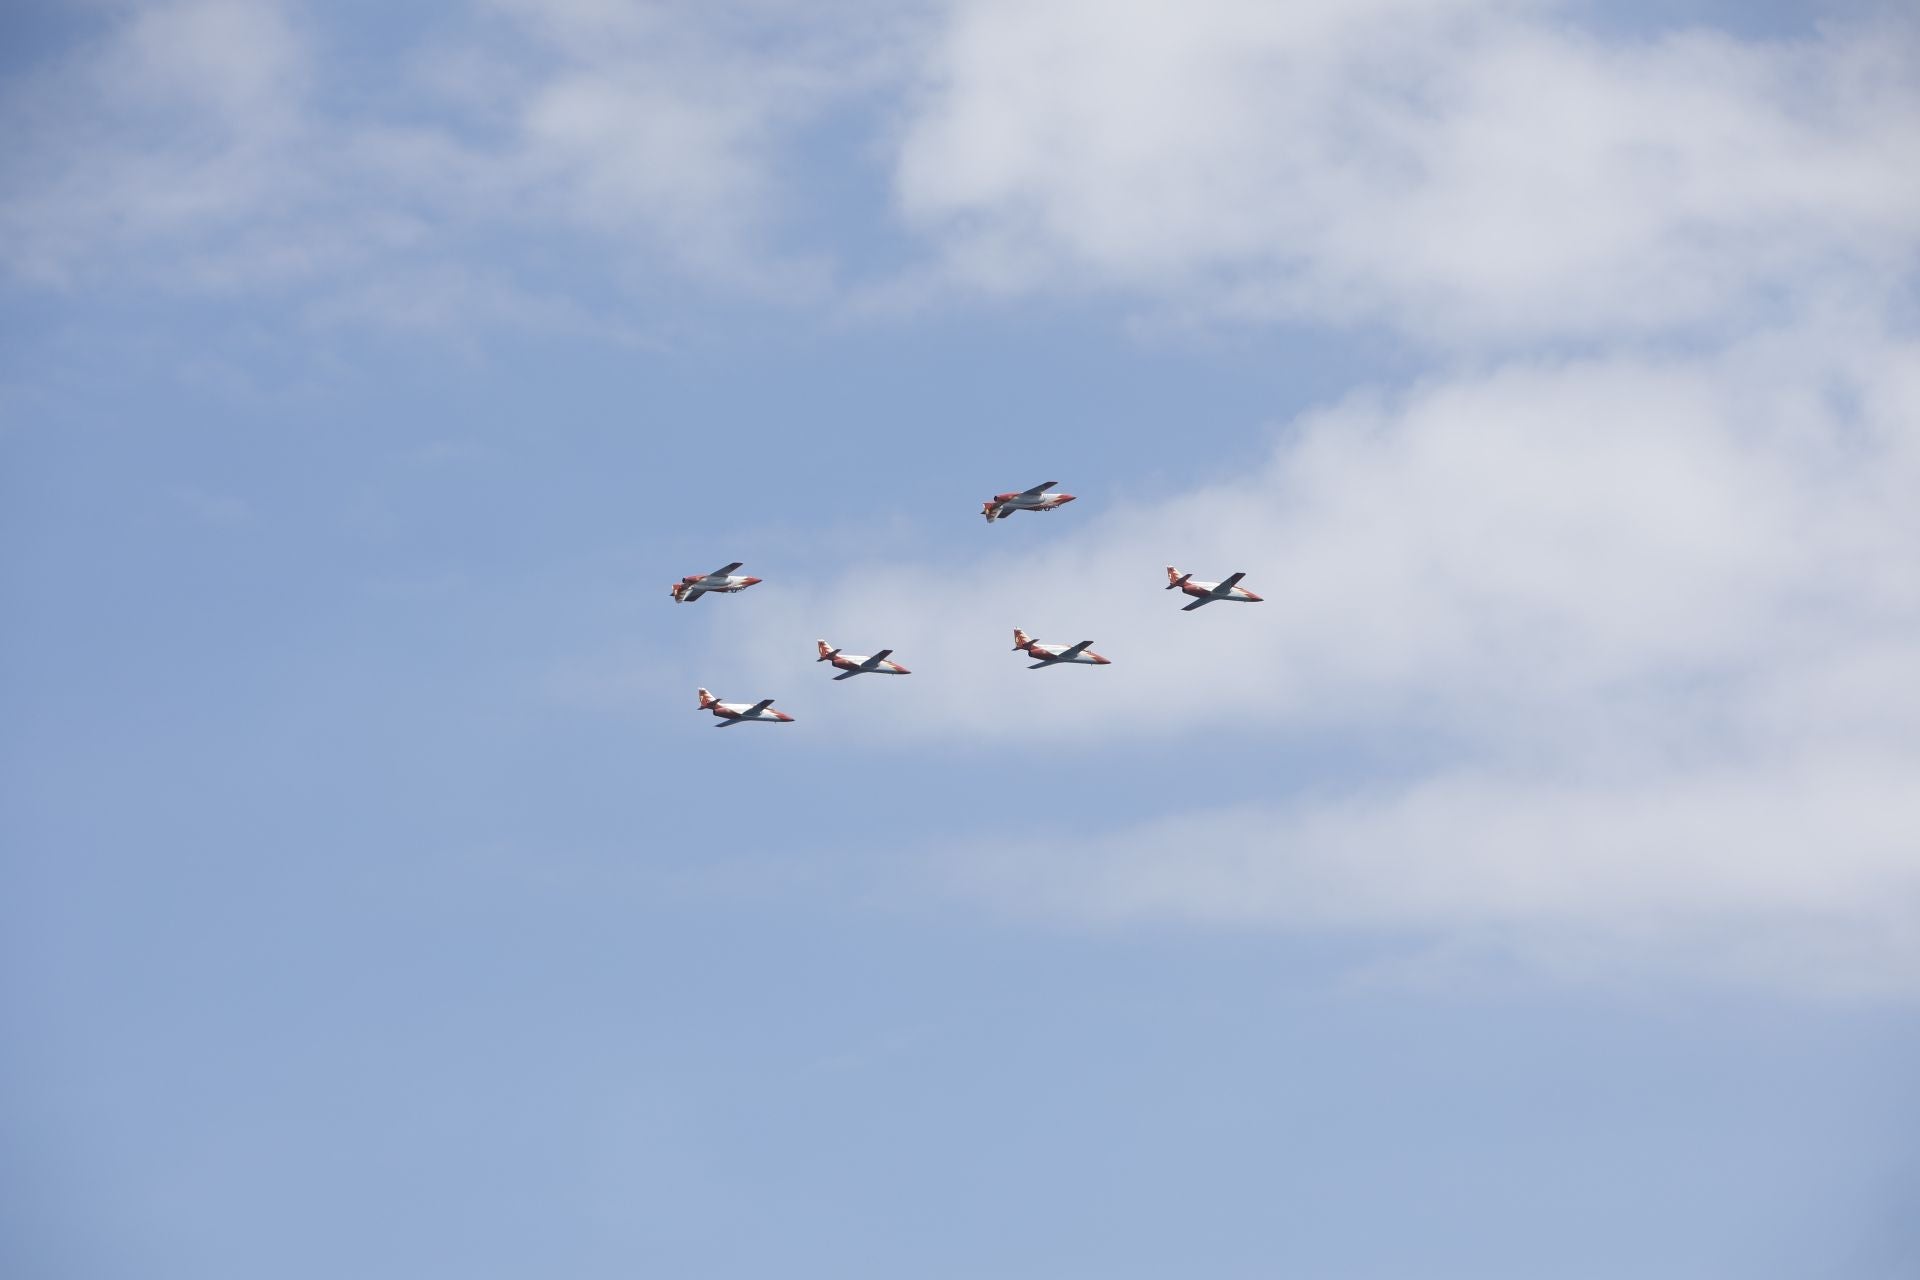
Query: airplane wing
point(726, 569)
point(729, 723)
point(1073, 651)
point(691, 594)
point(1044, 662)
point(1207, 599)
point(1226, 588)
point(756, 708)
point(1038, 489)
point(848, 675)
point(877, 658)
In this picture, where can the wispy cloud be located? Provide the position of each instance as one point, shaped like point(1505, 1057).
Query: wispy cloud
point(1659, 603)
point(1467, 172)
point(1660, 613)
point(1479, 546)
point(226, 147)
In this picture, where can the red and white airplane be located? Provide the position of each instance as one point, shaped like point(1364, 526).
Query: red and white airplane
point(1050, 654)
point(732, 713)
point(853, 664)
point(1208, 592)
point(1034, 499)
point(695, 585)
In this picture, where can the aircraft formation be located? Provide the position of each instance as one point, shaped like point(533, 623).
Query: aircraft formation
point(725, 581)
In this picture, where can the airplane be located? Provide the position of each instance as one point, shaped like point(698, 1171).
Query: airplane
point(1208, 592)
point(1049, 654)
point(695, 585)
point(853, 664)
point(1034, 499)
point(732, 713)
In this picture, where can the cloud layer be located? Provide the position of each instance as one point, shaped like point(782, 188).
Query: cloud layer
point(1466, 172)
point(234, 147)
point(1659, 618)
point(1654, 607)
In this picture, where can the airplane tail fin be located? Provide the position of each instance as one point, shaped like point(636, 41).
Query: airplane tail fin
point(1020, 639)
point(706, 699)
point(677, 590)
point(1173, 575)
point(825, 651)
point(986, 509)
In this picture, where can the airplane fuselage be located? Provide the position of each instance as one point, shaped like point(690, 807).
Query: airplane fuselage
point(732, 713)
point(1052, 653)
point(1193, 588)
point(1005, 504)
point(693, 586)
point(858, 662)
point(740, 710)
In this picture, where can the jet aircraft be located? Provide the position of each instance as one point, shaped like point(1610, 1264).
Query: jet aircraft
point(732, 713)
point(1050, 654)
point(695, 585)
point(1208, 592)
point(1034, 499)
point(853, 664)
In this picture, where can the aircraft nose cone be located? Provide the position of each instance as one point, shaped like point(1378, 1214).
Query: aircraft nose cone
point(900, 670)
point(748, 582)
point(1066, 498)
point(1102, 662)
point(1256, 599)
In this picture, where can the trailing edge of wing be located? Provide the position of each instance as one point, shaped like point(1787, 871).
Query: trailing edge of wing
point(726, 569)
point(756, 708)
point(1038, 489)
point(878, 658)
point(1230, 583)
point(848, 675)
point(1074, 651)
point(1189, 608)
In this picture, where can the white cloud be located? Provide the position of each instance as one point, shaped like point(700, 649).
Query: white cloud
point(1801, 876)
point(1471, 547)
point(226, 146)
point(1662, 613)
point(175, 124)
point(1468, 172)
point(1661, 606)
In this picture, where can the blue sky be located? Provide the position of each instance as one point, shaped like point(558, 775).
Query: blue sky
point(1529, 888)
